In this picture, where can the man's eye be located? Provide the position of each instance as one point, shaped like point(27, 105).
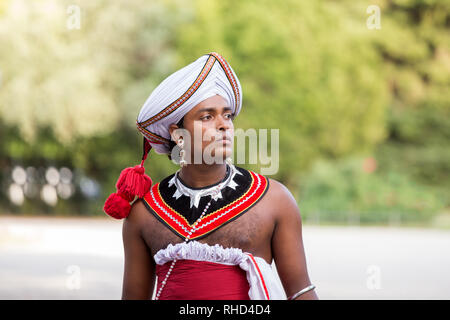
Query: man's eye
point(230, 116)
point(205, 117)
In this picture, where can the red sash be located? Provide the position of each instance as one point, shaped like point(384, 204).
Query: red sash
point(201, 280)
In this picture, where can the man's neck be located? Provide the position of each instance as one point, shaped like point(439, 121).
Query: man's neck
point(202, 175)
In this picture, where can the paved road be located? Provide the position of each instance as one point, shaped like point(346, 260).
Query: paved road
point(62, 258)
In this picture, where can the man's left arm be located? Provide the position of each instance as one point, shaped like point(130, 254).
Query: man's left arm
point(287, 245)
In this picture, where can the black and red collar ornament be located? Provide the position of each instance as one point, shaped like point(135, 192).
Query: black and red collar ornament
point(177, 208)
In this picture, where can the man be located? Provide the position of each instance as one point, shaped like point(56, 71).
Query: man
point(211, 230)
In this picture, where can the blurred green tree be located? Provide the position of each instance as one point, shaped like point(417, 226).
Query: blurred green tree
point(81, 82)
point(70, 96)
point(307, 68)
point(415, 45)
point(334, 87)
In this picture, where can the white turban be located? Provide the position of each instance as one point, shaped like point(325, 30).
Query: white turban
point(207, 76)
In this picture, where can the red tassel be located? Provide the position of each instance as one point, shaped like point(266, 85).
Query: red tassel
point(117, 207)
point(134, 182)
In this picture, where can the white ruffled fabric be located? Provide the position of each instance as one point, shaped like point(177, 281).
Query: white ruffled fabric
point(259, 288)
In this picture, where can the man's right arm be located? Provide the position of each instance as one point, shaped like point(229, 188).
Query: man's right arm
point(139, 268)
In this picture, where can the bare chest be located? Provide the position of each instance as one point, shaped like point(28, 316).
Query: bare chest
point(250, 232)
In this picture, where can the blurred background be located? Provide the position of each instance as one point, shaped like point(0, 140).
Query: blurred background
point(359, 91)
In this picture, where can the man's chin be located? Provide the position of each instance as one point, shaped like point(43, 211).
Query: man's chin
point(220, 155)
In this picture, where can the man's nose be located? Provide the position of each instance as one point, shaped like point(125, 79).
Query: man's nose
point(222, 124)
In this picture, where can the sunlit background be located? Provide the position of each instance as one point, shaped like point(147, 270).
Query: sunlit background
point(359, 91)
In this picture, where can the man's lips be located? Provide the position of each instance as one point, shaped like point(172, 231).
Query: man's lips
point(225, 140)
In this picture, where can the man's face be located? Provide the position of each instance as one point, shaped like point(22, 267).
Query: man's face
point(210, 124)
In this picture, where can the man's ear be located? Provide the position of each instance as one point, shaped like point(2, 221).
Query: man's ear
point(172, 128)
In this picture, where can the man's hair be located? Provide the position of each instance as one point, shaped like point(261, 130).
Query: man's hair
point(172, 143)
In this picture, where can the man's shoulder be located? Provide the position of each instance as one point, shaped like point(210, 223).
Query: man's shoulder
point(281, 198)
point(139, 213)
point(278, 190)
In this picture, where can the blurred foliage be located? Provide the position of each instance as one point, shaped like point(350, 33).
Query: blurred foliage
point(81, 82)
point(71, 96)
point(310, 66)
point(415, 46)
point(354, 193)
point(334, 88)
